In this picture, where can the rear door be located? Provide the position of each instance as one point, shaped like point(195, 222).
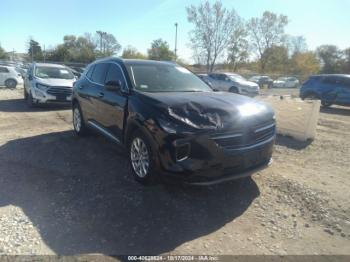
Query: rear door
point(90, 90)
point(329, 88)
point(113, 102)
point(3, 74)
point(344, 91)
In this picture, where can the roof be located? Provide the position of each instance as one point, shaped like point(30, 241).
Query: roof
point(49, 65)
point(134, 61)
point(339, 75)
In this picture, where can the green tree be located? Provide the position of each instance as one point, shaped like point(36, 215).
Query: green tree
point(34, 50)
point(346, 66)
point(74, 49)
point(331, 59)
point(160, 51)
point(278, 59)
point(213, 30)
point(266, 32)
point(3, 54)
point(305, 63)
point(131, 52)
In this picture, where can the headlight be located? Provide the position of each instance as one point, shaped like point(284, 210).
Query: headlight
point(41, 86)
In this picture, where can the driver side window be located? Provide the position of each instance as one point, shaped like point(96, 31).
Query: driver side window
point(115, 74)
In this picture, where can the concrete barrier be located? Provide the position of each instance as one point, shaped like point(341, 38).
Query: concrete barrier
point(295, 117)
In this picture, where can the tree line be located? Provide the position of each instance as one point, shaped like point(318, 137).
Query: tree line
point(87, 48)
point(259, 44)
point(219, 36)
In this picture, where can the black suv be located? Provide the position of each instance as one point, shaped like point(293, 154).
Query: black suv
point(172, 123)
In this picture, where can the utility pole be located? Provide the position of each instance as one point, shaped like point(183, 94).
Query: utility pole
point(44, 54)
point(31, 47)
point(176, 24)
point(101, 34)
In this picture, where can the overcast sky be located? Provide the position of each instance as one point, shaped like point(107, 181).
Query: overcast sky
point(137, 23)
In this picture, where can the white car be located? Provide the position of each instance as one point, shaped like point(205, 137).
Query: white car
point(286, 82)
point(233, 83)
point(48, 83)
point(10, 77)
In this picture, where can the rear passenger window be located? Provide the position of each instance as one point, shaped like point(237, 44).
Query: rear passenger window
point(3, 70)
point(331, 80)
point(99, 73)
point(89, 73)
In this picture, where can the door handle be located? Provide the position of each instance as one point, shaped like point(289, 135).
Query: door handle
point(101, 94)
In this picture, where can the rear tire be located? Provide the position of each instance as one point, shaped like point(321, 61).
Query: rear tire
point(142, 159)
point(11, 83)
point(78, 121)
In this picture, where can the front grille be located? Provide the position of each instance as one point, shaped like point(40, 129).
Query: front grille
point(66, 91)
point(245, 138)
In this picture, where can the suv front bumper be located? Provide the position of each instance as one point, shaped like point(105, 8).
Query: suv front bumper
point(44, 97)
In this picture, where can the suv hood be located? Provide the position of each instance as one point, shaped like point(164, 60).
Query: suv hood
point(210, 110)
point(56, 82)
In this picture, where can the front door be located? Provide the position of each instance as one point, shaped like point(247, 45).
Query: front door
point(113, 102)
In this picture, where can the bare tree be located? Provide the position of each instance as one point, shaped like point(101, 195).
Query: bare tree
point(110, 45)
point(297, 44)
point(213, 27)
point(237, 51)
point(266, 32)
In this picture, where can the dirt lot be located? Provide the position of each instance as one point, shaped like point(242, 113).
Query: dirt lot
point(60, 194)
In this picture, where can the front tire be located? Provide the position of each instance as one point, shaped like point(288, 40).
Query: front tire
point(30, 100)
point(142, 159)
point(78, 121)
point(233, 90)
point(326, 104)
point(25, 94)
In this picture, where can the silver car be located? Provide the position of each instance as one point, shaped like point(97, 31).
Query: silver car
point(233, 83)
point(47, 83)
point(10, 77)
point(286, 82)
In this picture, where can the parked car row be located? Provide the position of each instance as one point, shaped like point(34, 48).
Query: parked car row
point(173, 125)
point(232, 82)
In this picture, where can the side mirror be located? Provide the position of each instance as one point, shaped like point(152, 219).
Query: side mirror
point(113, 85)
point(30, 77)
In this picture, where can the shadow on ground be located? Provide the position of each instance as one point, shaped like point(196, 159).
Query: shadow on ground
point(80, 195)
point(19, 105)
point(292, 143)
point(336, 110)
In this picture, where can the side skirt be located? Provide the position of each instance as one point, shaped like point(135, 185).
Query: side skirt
point(103, 131)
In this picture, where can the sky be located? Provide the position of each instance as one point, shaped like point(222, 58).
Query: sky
point(137, 23)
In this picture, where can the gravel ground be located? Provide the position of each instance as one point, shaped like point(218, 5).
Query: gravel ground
point(60, 194)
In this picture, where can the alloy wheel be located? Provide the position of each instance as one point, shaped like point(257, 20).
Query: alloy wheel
point(77, 119)
point(139, 157)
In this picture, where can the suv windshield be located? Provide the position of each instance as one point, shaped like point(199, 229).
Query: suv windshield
point(165, 78)
point(53, 72)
